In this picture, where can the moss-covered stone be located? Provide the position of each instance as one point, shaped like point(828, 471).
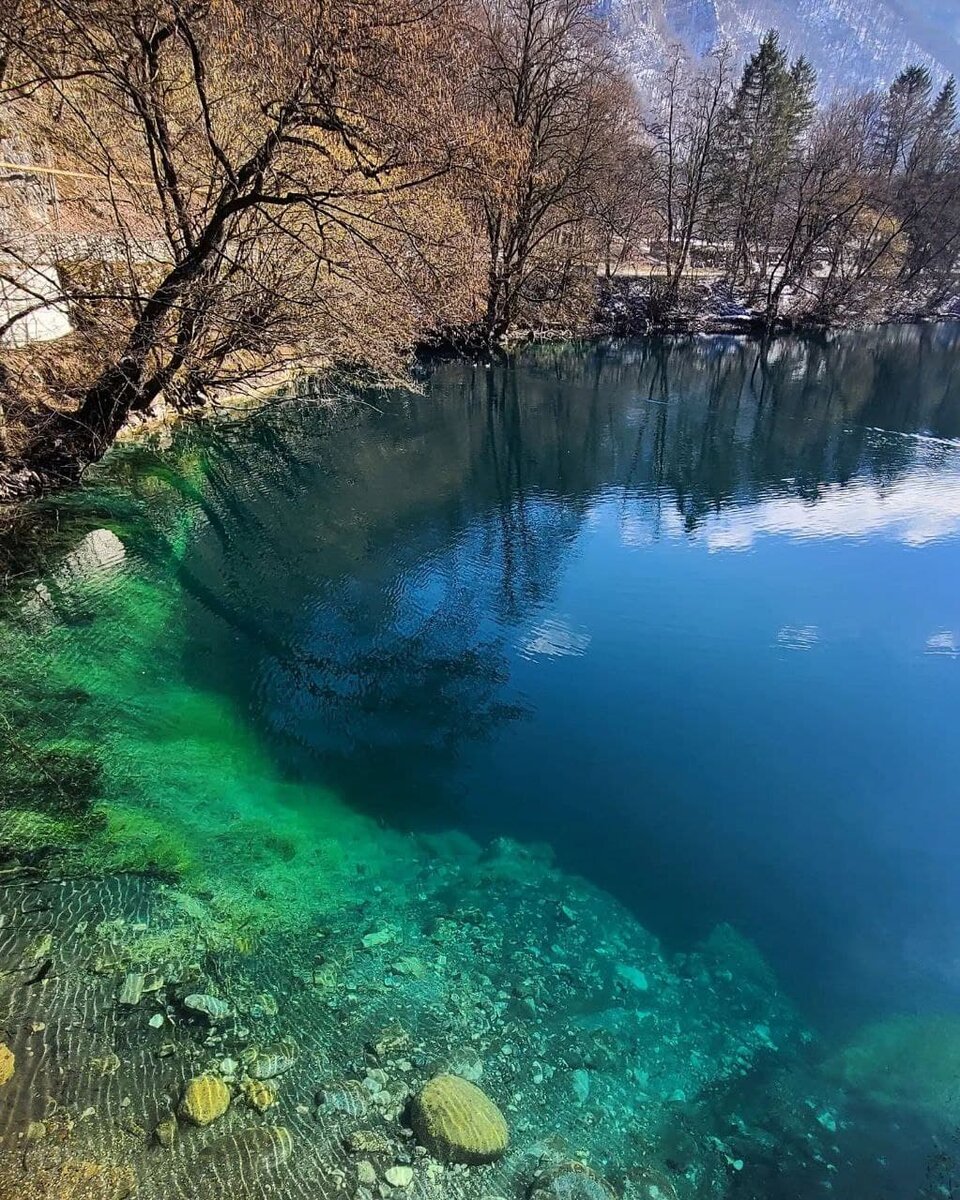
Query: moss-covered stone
point(8, 1063)
point(457, 1122)
point(259, 1095)
point(205, 1099)
point(571, 1180)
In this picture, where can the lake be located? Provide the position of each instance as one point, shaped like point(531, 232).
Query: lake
point(592, 708)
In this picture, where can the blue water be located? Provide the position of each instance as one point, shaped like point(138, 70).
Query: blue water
point(687, 611)
point(304, 702)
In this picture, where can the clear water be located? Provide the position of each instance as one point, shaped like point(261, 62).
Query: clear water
point(685, 612)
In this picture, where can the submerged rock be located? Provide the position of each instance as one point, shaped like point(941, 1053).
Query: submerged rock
point(273, 1059)
point(368, 1141)
point(571, 1181)
point(466, 1063)
point(165, 1132)
point(8, 1063)
point(259, 1095)
point(906, 1062)
point(249, 1152)
point(205, 1099)
point(457, 1122)
point(650, 1183)
point(132, 990)
point(389, 1041)
point(580, 1083)
point(366, 1173)
point(347, 1096)
point(399, 1177)
point(211, 1007)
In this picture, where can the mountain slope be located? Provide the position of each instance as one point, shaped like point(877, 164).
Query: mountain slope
point(852, 44)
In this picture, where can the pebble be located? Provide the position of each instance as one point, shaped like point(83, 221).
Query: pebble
point(165, 1132)
point(131, 992)
point(156, 1020)
point(366, 1174)
point(379, 937)
point(212, 1007)
point(399, 1177)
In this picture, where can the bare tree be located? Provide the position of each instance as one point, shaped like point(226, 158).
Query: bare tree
point(548, 93)
point(623, 201)
point(253, 164)
point(690, 110)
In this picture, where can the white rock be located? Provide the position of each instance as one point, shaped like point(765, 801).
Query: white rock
point(399, 1177)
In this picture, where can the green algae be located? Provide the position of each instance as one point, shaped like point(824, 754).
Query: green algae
point(603, 1044)
point(113, 763)
point(133, 840)
point(906, 1062)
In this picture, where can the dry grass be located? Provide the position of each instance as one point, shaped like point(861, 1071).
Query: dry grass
point(39, 381)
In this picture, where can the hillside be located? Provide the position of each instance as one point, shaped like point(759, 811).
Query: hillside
point(851, 44)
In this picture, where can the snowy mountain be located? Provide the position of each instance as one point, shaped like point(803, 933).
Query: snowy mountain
point(854, 44)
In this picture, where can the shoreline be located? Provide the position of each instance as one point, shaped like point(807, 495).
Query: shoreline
point(264, 386)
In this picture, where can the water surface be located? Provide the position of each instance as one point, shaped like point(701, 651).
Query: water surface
point(683, 612)
point(686, 611)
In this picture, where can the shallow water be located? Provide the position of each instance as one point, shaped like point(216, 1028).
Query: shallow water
point(683, 612)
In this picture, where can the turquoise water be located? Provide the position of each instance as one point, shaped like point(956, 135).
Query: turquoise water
point(673, 626)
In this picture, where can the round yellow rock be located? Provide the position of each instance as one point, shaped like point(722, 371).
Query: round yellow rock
point(8, 1063)
point(205, 1099)
point(457, 1122)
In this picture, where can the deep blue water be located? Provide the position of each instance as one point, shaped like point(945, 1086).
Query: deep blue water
point(688, 611)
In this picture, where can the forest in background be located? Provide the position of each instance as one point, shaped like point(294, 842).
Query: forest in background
point(214, 188)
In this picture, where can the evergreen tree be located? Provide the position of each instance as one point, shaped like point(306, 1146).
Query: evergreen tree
point(769, 113)
point(905, 109)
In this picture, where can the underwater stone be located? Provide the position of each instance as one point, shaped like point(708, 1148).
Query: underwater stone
point(132, 991)
point(389, 1041)
point(156, 1021)
point(347, 1096)
point(366, 1173)
point(274, 1059)
point(166, 1131)
point(210, 1006)
point(368, 1141)
point(411, 967)
point(251, 1151)
point(457, 1122)
point(571, 1181)
point(633, 976)
point(650, 1183)
point(466, 1063)
point(259, 1095)
point(581, 1085)
point(399, 1177)
point(205, 1099)
point(264, 1006)
point(379, 937)
point(8, 1063)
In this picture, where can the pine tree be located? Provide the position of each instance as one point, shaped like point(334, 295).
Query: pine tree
point(770, 111)
point(905, 108)
point(936, 136)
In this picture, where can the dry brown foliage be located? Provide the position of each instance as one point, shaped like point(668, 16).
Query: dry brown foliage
point(251, 181)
